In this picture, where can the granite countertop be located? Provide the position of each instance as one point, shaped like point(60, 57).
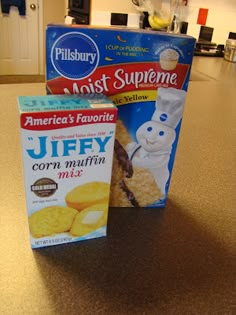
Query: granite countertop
point(177, 260)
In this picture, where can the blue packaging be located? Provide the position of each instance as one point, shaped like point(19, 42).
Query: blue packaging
point(146, 74)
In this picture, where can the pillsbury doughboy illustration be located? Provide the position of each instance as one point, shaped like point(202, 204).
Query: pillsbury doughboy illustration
point(155, 138)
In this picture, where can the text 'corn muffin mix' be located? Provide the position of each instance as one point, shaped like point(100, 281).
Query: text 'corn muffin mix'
point(67, 146)
point(146, 74)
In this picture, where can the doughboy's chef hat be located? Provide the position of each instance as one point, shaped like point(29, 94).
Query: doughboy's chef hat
point(169, 106)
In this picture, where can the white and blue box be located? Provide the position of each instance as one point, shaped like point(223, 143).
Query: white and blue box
point(67, 148)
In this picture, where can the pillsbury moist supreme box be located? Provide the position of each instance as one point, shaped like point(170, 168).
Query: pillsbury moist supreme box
point(146, 74)
point(67, 147)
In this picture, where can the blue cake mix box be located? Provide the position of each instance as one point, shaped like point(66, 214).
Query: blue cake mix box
point(67, 147)
point(146, 74)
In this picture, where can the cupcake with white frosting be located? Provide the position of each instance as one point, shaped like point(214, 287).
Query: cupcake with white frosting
point(169, 59)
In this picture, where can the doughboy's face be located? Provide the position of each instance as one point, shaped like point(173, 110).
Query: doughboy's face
point(153, 136)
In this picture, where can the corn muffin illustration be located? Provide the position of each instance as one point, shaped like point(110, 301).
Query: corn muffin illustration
point(67, 149)
point(169, 59)
point(51, 220)
point(87, 195)
point(89, 219)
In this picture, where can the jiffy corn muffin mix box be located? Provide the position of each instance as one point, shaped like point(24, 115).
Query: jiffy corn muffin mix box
point(67, 147)
point(146, 74)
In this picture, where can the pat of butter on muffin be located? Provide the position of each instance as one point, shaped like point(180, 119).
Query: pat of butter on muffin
point(92, 217)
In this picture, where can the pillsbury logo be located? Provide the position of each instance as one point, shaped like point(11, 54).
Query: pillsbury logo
point(163, 117)
point(74, 55)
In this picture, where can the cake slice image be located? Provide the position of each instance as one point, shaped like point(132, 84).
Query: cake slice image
point(118, 196)
point(130, 186)
point(141, 189)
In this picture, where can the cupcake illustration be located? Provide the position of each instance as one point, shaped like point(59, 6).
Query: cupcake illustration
point(169, 59)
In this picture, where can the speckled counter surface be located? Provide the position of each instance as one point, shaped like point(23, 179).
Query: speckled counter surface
point(177, 260)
